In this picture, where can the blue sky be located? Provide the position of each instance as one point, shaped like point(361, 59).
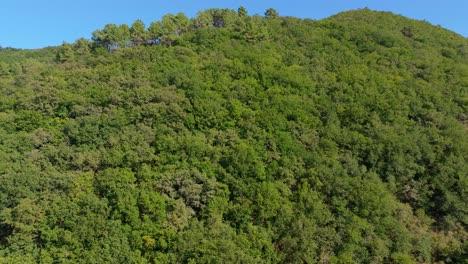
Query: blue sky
point(37, 23)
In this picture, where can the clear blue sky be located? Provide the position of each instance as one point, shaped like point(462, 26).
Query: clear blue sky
point(37, 23)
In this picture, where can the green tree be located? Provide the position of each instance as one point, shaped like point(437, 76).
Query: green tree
point(154, 31)
point(168, 29)
point(112, 36)
point(183, 23)
point(138, 32)
point(242, 12)
point(271, 13)
point(82, 47)
point(65, 53)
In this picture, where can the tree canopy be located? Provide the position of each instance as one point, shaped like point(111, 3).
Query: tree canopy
point(229, 138)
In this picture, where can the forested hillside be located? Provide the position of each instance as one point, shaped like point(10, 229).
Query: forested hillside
point(231, 138)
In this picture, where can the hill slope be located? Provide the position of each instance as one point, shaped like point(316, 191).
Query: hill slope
point(230, 138)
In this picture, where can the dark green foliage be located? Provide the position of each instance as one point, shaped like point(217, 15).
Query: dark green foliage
point(230, 138)
point(271, 13)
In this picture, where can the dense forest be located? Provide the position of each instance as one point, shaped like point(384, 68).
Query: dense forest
point(237, 138)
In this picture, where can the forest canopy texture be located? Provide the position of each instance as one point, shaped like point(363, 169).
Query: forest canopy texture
point(231, 138)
